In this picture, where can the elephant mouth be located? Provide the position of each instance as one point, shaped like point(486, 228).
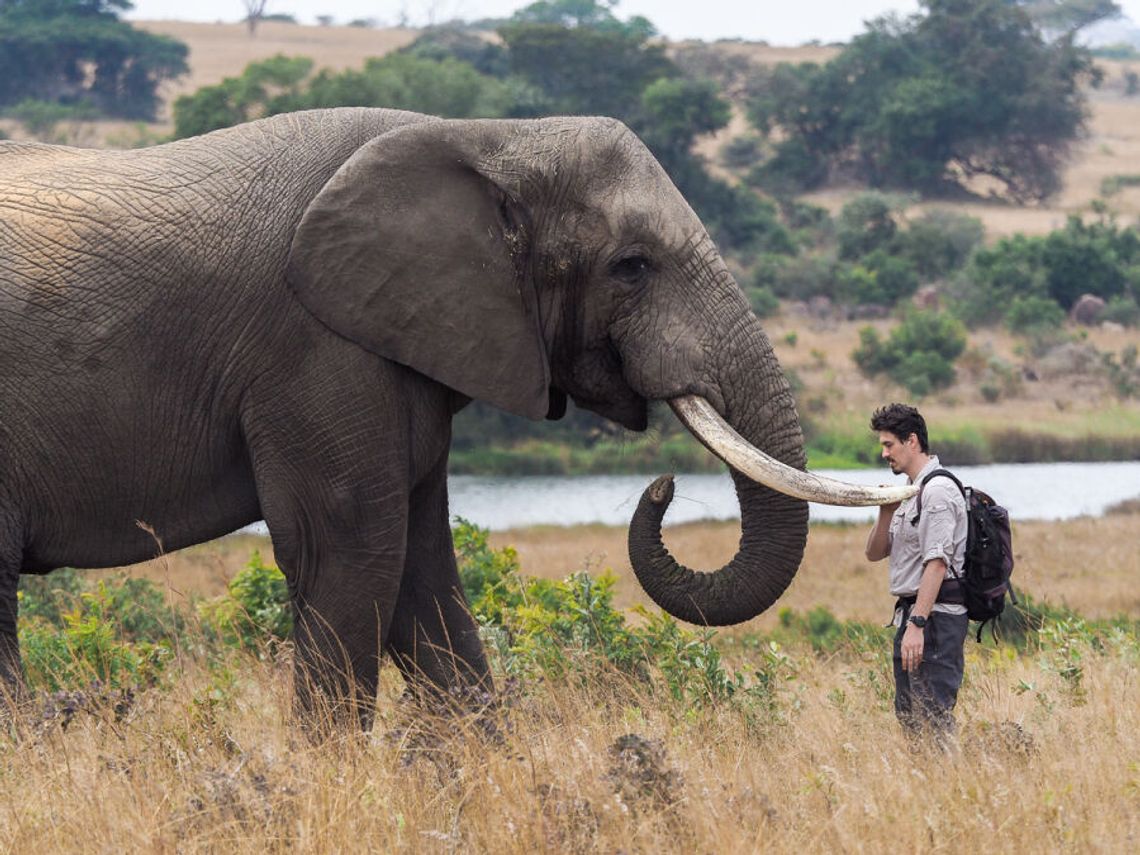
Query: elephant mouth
point(719, 437)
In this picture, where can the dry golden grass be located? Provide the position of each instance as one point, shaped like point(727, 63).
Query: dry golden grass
point(223, 50)
point(212, 763)
point(209, 766)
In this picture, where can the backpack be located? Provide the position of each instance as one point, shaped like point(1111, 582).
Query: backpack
point(988, 564)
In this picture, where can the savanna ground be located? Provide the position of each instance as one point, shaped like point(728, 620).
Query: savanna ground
point(804, 756)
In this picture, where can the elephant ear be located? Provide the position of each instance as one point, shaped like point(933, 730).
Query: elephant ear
point(413, 253)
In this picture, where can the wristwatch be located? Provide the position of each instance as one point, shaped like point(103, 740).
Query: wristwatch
point(917, 620)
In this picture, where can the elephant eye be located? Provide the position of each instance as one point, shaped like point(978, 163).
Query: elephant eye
point(631, 269)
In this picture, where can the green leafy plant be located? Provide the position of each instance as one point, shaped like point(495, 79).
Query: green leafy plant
point(918, 354)
point(255, 610)
point(88, 648)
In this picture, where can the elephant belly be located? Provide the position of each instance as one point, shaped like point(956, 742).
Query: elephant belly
point(129, 516)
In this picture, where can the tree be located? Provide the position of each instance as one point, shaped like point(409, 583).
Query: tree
point(254, 12)
point(281, 84)
point(77, 52)
point(966, 88)
point(1067, 17)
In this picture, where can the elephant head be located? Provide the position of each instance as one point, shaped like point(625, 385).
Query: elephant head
point(519, 262)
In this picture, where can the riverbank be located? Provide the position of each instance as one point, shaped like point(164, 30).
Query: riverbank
point(1088, 564)
point(838, 447)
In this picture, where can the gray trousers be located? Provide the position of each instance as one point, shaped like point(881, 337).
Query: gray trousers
point(924, 699)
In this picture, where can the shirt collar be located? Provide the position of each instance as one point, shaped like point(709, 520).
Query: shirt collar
point(930, 466)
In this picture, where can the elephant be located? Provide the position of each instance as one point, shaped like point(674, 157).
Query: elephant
point(279, 321)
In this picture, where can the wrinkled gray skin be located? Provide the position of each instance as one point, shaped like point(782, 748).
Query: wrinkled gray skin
point(279, 321)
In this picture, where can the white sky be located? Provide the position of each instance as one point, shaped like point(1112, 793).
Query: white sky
point(780, 22)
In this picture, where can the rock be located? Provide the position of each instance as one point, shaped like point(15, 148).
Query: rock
point(821, 307)
point(1068, 359)
point(1087, 309)
point(927, 298)
point(1111, 327)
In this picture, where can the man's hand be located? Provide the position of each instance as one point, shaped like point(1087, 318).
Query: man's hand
point(912, 644)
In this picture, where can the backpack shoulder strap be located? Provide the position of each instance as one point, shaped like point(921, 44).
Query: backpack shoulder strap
point(937, 472)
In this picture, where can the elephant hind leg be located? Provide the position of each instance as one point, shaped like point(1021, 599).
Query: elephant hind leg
point(434, 640)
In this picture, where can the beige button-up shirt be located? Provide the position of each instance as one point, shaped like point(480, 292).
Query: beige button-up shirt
point(940, 533)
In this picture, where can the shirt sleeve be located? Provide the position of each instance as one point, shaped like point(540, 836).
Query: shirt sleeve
point(937, 524)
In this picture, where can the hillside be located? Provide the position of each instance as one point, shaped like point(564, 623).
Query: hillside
point(1112, 146)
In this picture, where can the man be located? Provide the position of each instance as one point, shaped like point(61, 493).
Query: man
point(924, 548)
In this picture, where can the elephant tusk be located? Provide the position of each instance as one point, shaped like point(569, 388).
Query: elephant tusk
point(718, 436)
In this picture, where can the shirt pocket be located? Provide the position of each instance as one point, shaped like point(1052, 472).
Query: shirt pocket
point(901, 529)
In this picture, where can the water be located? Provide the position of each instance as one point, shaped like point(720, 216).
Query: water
point(1031, 491)
point(1041, 491)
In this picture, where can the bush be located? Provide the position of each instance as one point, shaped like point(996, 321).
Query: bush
point(1029, 313)
point(940, 242)
point(1121, 309)
point(89, 648)
point(799, 277)
point(570, 630)
point(255, 610)
point(866, 223)
point(764, 301)
point(918, 354)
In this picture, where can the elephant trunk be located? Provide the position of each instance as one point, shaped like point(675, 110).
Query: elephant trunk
point(758, 413)
point(772, 540)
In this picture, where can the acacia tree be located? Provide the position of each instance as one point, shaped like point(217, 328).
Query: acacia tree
point(965, 88)
point(254, 11)
point(78, 52)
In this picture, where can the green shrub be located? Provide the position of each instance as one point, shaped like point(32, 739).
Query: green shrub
point(918, 354)
point(570, 629)
point(764, 301)
point(89, 648)
point(939, 242)
point(798, 277)
point(1027, 313)
point(867, 223)
point(1121, 309)
point(741, 152)
point(255, 610)
point(1113, 184)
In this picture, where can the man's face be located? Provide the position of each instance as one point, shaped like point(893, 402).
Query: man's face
point(898, 453)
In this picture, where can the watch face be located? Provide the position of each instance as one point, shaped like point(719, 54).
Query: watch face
point(920, 622)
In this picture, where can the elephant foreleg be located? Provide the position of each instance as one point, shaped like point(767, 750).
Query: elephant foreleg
point(433, 639)
point(338, 525)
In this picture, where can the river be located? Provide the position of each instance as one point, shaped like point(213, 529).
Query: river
point(1031, 491)
point(1038, 491)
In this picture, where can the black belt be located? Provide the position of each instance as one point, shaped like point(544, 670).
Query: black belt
point(950, 593)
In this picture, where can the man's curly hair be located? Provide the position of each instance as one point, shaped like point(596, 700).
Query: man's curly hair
point(901, 420)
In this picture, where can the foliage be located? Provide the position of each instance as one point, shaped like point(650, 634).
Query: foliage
point(406, 81)
point(264, 87)
point(78, 53)
point(90, 643)
point(255, 610)
point(570, 630)
point(1098, 257)
point(1112, 184)
point(965, 88)
point(939, 242)
point(1028, 313)
point(918, 354)
point(1123, 310)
